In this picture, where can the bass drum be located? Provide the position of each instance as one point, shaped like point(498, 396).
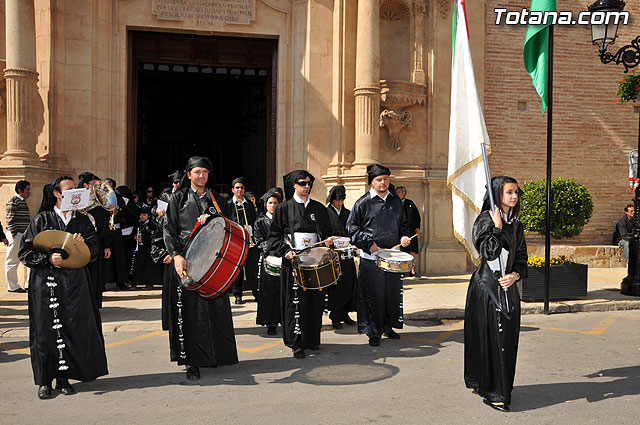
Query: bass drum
point(215, 252)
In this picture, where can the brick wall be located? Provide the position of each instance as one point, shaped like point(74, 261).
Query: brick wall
point(592, 133)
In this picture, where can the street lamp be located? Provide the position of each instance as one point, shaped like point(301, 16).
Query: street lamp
point(603, 36)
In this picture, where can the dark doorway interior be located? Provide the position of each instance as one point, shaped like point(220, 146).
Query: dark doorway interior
point(210, 96)
point(218, 112)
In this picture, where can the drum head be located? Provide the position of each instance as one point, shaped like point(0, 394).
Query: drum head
point(274, 261)
point(204, 247)
point(393, 255)
point(314, 257)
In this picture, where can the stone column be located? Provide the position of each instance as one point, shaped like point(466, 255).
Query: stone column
point(22, 82)
point(417, 73)
point(367, 91)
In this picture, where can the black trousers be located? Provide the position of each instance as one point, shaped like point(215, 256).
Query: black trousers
point(379, 299)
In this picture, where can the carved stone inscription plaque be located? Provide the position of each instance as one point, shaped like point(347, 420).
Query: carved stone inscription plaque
point(206, 13)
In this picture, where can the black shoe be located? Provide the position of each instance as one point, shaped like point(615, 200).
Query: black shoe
point(500, 407)
point(193, 373)
point(18, 291)
point(336, 324)
point(44, 392)
point(374, 341)
point(298, 353)
point(392, 334)
point(348, 320)
point(64, 386)
point(314, 347)
point(239, 300)
point(271, 330)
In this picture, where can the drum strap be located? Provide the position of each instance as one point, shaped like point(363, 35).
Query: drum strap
point(291, 216)
point(215, 204)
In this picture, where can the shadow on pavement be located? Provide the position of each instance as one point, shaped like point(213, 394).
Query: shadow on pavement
point(531, 397)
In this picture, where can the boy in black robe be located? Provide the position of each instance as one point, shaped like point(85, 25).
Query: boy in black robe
point(145, 270)
point(64, 337)
point(268, 286)
point(378, 221)
point(342, 297)
point(201, 331)
point(242, 211)
point(298, 223)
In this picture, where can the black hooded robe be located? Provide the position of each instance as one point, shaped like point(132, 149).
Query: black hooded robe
point(207, 324)
point(379, 292)
point(268, 286)
point(343, 296)
point(83, 350)
point(311, 303)
point(490, 338)
point(145, 270)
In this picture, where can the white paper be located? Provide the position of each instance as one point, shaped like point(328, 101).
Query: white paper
point(162, 205)
point(75, 199)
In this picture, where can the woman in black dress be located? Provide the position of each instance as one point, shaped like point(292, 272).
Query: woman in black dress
point(492, 311)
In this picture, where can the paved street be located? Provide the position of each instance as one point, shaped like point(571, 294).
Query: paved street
point(572, 368)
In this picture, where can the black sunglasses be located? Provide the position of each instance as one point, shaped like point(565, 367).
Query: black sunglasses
point(239, 187)
point(149, 191)
point(176, 181)
point(304, 183)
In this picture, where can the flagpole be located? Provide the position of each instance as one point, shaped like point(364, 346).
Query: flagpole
point(492, 205)
point(547, 236)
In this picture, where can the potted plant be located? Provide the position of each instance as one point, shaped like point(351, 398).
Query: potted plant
point(629, 88)
point(571, 209)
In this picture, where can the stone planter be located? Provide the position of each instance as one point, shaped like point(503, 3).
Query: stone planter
point(566, 281)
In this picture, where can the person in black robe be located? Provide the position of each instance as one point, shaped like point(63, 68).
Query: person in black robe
point(268, 286)
point(377, 221)
point(64, 337)
point(242, 211)
point(413, 218)
point(201, 331)
point(145, 271)
point(492, 310)
point(97, 269)
point(160, 255)
point(128, 218)
point(342, 297)
point(117, 267)
point(298, 223)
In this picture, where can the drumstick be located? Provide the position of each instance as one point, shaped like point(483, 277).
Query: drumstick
point(398, 246)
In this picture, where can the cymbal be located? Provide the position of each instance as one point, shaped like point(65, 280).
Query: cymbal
point(75, 254)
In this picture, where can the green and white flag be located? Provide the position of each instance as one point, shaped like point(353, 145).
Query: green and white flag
point(467, 132)
point(536, 51)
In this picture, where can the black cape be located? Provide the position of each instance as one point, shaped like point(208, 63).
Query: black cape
point(207, 325)
point(490, 338)
point(83, 350)
point(343, 296)
point(311, 303)
point(268, 286)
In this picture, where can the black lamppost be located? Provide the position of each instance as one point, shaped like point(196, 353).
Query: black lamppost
point(604, 35)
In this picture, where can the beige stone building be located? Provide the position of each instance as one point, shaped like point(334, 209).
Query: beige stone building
point(129, 89)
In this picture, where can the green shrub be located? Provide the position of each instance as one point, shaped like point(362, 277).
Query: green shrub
point(571, 207)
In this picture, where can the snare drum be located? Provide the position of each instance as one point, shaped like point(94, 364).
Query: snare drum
point(272, 265)
point(214, 253)
point(347, 253)
point(316, 268)
point(394, 261)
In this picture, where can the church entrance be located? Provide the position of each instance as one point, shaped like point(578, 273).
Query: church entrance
point(206, 96)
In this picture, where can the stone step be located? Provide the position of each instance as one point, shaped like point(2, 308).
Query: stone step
point(591, 255)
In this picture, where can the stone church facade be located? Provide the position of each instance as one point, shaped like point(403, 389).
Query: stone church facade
point(344, 83)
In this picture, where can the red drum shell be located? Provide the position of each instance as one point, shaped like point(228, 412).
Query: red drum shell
point(215, 252)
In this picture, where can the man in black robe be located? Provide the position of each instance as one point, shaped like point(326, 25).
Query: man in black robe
point(145, 271)
point(243, 212)
point(117, 265)
point(298, 223)
point(201, 331)
point(376, 222)
point(64, 337)
point(97, 269)
point(342, 297)
point(128, 218)
point(413, 219)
